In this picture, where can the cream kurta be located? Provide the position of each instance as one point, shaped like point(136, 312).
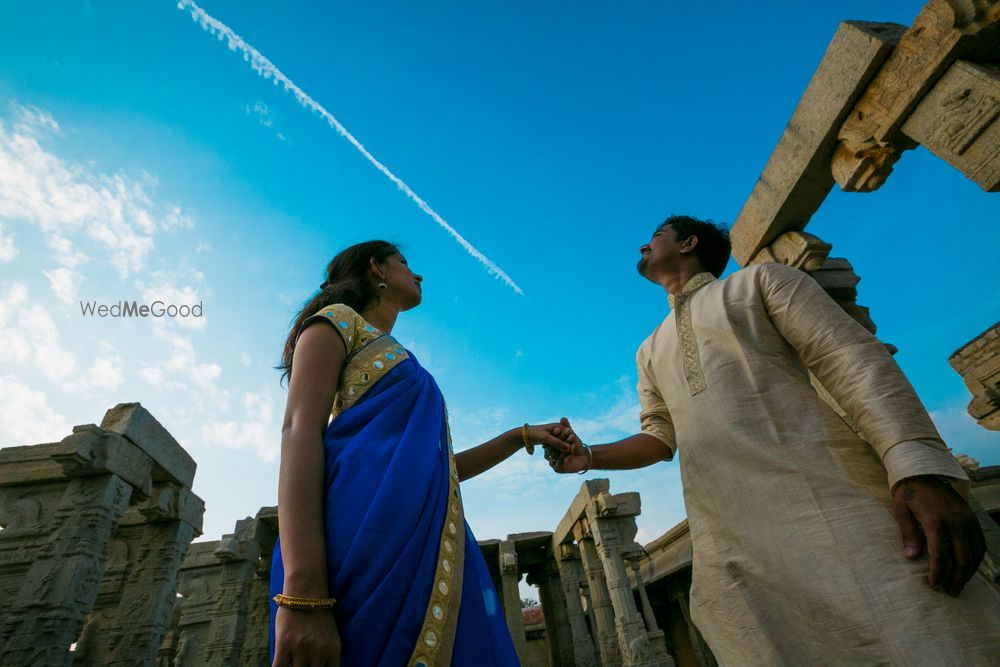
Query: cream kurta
point(797, 559)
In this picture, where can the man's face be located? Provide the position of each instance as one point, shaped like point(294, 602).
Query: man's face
point(660, 253)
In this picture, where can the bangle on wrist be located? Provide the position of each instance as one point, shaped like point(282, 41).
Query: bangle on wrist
point(528, 445)
point(293, 602)
point(590, 460)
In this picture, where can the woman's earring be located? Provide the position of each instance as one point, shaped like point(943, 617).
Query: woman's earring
point(382, 285)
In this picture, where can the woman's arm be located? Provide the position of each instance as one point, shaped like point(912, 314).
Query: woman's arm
point(479, 459)
point(317, 362)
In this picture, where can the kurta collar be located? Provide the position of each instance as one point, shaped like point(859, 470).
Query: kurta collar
point(696, 282)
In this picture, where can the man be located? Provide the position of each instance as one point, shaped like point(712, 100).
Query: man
point(794, 517)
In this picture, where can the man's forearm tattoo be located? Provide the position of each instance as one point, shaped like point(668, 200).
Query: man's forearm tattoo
point(908, 492)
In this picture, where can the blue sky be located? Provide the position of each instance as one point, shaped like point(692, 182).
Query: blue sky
point(140, 158)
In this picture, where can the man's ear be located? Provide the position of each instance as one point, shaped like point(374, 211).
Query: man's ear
point(689, 244)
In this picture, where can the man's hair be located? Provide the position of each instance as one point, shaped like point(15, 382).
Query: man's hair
point(713, 247)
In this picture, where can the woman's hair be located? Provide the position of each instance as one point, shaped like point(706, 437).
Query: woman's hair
point(346, 282)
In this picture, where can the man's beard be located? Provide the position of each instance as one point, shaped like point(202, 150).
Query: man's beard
point(641, 265)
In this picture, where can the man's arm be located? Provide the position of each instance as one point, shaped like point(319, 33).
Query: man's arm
point(656, 442)
point(861, 375)
point(636, 451)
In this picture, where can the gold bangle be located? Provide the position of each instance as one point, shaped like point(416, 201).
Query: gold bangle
point(292, 602)
point(527, 441)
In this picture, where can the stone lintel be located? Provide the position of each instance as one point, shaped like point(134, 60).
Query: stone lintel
point(88, 451)
point(959, 121)
point(578, 509)
point(797, 176)
point(168, 502)
point(619, 504)
point(871, 139)
point(140, 427)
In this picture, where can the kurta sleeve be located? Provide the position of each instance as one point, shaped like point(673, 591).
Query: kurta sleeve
point(654, 417)
point(860, 374)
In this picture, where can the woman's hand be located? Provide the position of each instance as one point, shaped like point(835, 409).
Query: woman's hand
point(574, 459)
point(305, 638)
point(559, 437)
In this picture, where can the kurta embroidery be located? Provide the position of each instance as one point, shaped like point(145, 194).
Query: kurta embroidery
point(681, 303)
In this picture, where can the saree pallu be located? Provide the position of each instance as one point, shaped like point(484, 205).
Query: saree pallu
point(411, 584)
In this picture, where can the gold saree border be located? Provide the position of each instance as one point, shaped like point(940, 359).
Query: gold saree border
point(364, 368)
point(437, 636)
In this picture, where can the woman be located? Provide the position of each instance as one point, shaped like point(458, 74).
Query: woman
point(376, 565)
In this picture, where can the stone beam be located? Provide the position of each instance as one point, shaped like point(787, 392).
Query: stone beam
point(577, 509)
point(797, 176)
point(142, 429)
point(959, 121)
point(871, 139)
point(978, 362)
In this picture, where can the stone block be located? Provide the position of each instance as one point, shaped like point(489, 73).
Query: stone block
point(797, 176)
point(142, 429)
point(871, 139)
point(959, 121)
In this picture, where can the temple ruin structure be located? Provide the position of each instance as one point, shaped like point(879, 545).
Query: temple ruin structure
point(97, 564)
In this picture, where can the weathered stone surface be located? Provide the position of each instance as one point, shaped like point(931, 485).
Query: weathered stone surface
point(978, 362)
point(871, 139)
point(141, 428)
point(959, 121)
point(797, 176)
point(796, 249)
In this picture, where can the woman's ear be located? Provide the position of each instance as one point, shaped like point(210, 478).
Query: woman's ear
point(376, 269)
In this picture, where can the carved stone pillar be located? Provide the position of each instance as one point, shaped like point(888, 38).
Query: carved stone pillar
point(511, 594)
point(256, 647)
point(571, 576)
point(612, 524)
point(224, 613)
point(61, 505)
point(600, 597)
point(557, 630)
point(657, 638)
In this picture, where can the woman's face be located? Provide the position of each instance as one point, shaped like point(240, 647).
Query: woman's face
point(403, 284)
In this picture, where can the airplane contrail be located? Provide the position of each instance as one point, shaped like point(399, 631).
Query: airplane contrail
point(266, 69)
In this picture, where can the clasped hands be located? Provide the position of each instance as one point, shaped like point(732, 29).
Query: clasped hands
point(563, 449)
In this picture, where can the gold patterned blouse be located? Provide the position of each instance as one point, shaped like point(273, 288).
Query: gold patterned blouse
point(371, 354)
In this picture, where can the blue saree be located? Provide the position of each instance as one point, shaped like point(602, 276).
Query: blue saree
point(411, 584)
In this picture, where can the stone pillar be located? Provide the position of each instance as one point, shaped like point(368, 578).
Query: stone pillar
point(511, 595)
point(223, 616)
point(604, 615)
point(612, 522)
point(72, 546)
point(138, 592)
point(657, 638)
point(571, 576)
point(557, 630)
point(256, 645)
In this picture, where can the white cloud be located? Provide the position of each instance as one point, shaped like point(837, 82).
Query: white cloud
point(176, 288)
point(8, 251)
point(181, 370)
point(619, 420)
point(245, 359)
point(26, 418)
point(64, 283)
point(256, 431)
point(108, 370)
point(72, 205)
point(964, 436)
point(29, 335)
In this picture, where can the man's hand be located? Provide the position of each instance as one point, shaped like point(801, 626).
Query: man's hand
point(574, 460)
point(929, 511)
